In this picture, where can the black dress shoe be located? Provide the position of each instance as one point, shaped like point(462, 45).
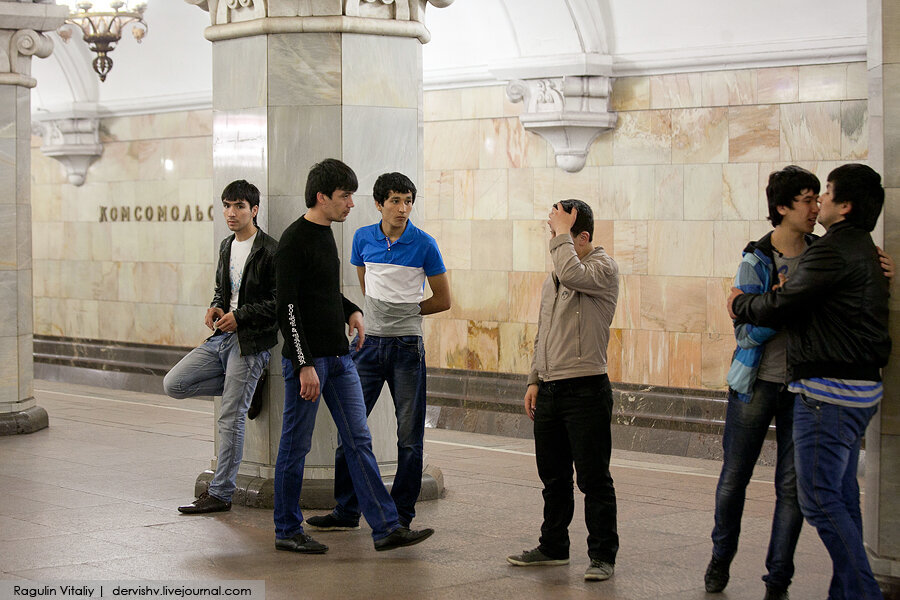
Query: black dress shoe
point(257, 401)
point(301, 543)
point(205, 504)
point(402, 536)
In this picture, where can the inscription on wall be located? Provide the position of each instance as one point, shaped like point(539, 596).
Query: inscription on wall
point(189, 212)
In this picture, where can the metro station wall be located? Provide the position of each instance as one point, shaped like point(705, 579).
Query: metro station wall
point(676, 188)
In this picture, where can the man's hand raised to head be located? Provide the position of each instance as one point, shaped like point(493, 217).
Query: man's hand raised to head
point(561, 221)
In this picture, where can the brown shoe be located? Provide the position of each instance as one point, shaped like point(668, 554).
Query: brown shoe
point(205, 504)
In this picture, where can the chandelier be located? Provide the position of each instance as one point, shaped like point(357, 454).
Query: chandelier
point(101, 23)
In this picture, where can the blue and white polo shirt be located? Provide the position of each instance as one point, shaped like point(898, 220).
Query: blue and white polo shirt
point(395, 277)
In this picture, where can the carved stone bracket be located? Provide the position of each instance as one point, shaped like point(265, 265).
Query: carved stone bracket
point(569, 108)
point(21, 24)
point(240, 18)
point(72, 140)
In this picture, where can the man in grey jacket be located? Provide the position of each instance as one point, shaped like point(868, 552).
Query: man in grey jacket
point(569, 397)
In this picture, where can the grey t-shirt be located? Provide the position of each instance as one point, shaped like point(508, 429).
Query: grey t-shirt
point(773, 365)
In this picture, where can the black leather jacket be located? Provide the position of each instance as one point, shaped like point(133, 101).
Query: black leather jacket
point(835, 308)
point(255, 315)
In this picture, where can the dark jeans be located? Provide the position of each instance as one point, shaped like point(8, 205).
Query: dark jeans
point(399, 362)
point(746, 425)
point(572, 425)
point(343, 396)
point(827, 439)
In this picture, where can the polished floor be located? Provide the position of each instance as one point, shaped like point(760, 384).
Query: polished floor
point(93, 497)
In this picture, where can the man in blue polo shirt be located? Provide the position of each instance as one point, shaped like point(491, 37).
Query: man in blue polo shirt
point(393, 258)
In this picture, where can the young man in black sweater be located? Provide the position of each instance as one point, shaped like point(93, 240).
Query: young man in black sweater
point(315, 359)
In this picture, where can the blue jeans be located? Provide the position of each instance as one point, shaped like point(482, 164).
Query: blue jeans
point(827, 439)
point(572, 426)
point(342, 393)
point(746, 425)
point(216, 368)
point(399, 361)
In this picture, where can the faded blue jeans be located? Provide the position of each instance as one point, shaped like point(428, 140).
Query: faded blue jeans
point(216, 368)
point(399, 362)
point(746, 425)
point(342, 394)
point(827, 439)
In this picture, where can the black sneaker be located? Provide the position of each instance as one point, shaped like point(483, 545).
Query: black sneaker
point(535, 558)
point(205, 504)
point(330, 522)
point(402, 536)
point(717, 576)
point(301, 543)
point(776, 593)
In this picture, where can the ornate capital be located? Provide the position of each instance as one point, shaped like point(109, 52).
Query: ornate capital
point(569, 110)
point(240, 18)
point(21, 24)
point(73, 140)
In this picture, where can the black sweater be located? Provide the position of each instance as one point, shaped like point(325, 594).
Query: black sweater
point(311, 309)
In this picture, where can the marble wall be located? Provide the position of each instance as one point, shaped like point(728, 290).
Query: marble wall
point(677, 190)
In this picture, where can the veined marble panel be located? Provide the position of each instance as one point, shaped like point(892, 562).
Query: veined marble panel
point(8, 230)
point(516, 347)
point(454, 343)
point(464, 194)
point(154, 323)
point(645, 357)
point(740, 185)
point(492, 245)
point(600, 153)
point(675, 91)
point(700, 135)
point(9, 368)
point(680, 248)
point(520, 184)
point(106, 281)
point(8, 110)
point(673, 304)
point(456, 244)
point(716, 351)
point(190, 329)
point(854, 130)
point(453, 145)
point(823, 82)
point(630, 93)
point(23, 236)
point(376, 70)
point(530, 245)
point(643, 137)
point(429, 195)
point(857, 81)
point(778, 85)
point(491, 195)
point(630, 244)
point(378, 140)
point(628, 307)
point(195, 283)
point(505, 144)
point(187, 158)
point(668, 192)
point(239, 151)
point(240, 73)
point(717, 292)
point(483, 341)
point(614, 355)
point(753, 133)
point(486, 102)
point(685, 359)
point(25, 353)
point(730, 239)
point(9, 297)
point(583, 185)
point(299, 137)
point(811, 131)
point(303, 69)
point(703, 192)
point(625, 192)
point(25, 304)
point(480, 295)
point(432, 339)
point(8, 170)
point(724, 88)
point(525, 295)
point(443, 105)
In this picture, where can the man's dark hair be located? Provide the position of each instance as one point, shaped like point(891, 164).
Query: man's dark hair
point(241, 190)
point(784, 187)
point(392, 182)
point(860, 185)
point(585, 219)
point(327, 176)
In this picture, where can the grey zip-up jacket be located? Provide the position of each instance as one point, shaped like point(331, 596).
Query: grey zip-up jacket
point(578, 302)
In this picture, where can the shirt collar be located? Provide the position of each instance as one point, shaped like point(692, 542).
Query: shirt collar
point(405, 238)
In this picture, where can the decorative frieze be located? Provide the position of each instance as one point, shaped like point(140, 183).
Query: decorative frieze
point(74, 141)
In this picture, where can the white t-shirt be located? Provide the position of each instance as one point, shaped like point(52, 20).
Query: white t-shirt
point(239, 253)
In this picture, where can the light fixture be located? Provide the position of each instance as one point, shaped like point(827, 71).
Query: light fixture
point(101, 22)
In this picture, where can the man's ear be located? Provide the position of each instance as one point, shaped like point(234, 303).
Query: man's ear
point(844, 208)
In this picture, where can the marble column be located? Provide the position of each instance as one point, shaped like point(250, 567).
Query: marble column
point(882, 501)
point(21, 24)
point(294, 83)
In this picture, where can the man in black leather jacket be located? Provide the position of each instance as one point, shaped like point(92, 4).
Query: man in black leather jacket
point(835, 308)
point(230, 362)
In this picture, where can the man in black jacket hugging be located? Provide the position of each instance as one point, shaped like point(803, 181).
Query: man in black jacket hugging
point(230, 362)
point(316, 359)
point(835, 308)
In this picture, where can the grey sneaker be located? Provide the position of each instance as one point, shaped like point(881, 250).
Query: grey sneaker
point(599, 571)
point(330, 522)
point(535, 558)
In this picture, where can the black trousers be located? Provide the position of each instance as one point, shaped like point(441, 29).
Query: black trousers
point(572, 426)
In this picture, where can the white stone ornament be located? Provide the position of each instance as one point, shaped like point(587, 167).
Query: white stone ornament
point(74, 141)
